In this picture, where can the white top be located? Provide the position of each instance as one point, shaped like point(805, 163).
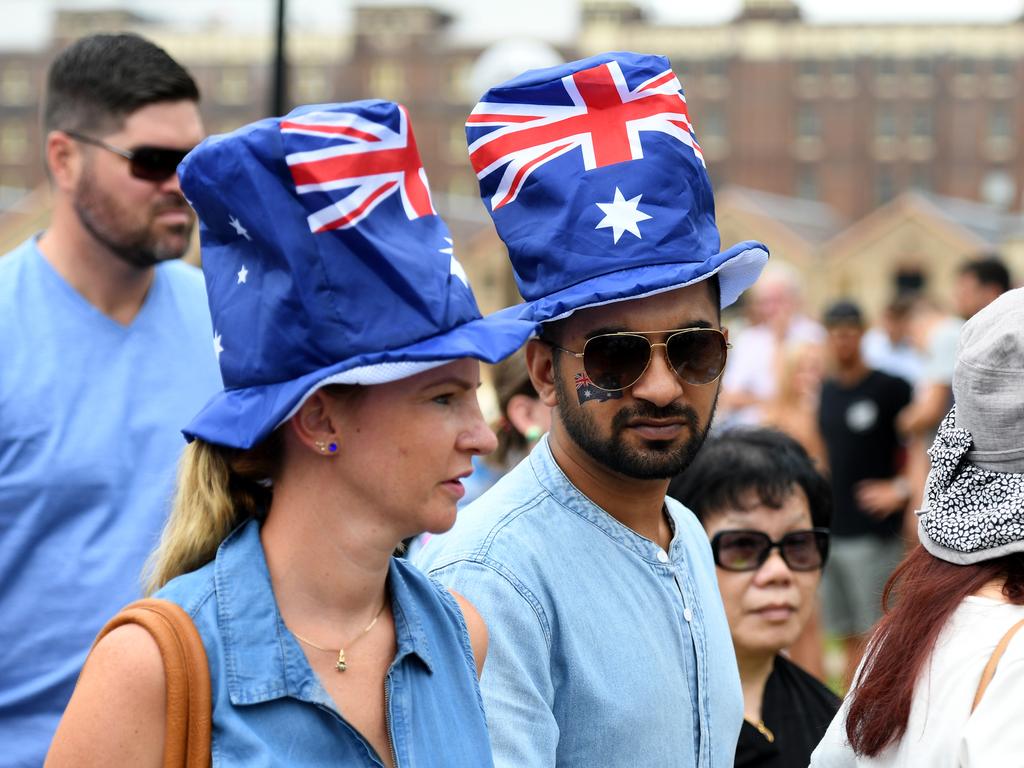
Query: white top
point(941, 731)
point(751, 368)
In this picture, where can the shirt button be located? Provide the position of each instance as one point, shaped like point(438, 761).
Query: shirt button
point(662, 556)
point(687, 614)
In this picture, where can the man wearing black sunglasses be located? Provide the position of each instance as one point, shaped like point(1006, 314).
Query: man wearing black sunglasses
point(608, 642)
point(107, 353)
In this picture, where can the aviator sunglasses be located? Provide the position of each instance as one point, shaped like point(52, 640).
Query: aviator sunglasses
point(743, 550)
point(147, 163)
point(615, 361)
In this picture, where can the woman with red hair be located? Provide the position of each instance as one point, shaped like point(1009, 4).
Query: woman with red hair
point(942, 681)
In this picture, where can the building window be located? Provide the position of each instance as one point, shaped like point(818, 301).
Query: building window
point(923, 67)
point(842, 67)
point(458, 80)
point(921, 124)
point(387, 81)
point(712, 124)
point(999, 124)
point(233, 87)
point(15, 85)
point(885, 121)
point(808, 125)
point(311, 87)
point(457, 145)
point(715, 68)
point(885, 185)
point(807, 182)
point(1002, 66)
point(886, 67)
point(921, 177)
point(965, 68)
point(14, 142)
point(809, 68)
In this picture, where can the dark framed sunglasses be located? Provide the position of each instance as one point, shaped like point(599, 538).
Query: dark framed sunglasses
point(615, 361)
point(744, 550)
point(155, 164)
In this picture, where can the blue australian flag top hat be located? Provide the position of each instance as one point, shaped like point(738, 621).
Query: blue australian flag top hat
point(596, 183)
point(325, 263)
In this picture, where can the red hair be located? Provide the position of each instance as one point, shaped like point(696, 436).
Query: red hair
point(918, 600)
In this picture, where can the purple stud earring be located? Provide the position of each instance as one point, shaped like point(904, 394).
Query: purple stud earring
point(332, 447)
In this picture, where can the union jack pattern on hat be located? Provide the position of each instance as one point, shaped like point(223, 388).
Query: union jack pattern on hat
point(597, 184)
point(325, 263)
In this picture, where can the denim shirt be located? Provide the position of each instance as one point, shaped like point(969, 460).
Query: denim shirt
point(605, 650)
point(269, 707)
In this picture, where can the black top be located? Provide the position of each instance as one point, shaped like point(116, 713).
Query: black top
point(797, 709)
point(858, 425)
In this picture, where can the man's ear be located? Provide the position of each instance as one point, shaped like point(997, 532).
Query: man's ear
point(541, 367)
point(64, 159)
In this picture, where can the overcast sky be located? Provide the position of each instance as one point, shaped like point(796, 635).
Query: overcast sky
point(27, 22)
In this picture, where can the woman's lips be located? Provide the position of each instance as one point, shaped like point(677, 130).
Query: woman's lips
point(775, 613)
point(454, 487)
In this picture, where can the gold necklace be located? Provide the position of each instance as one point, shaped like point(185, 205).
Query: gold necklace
point(763, 729)
point(341, 665)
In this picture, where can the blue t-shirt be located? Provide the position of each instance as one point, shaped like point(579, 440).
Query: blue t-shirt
point(90, 419)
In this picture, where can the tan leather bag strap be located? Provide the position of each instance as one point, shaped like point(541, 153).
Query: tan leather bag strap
point(187, 738)
point(993, 662)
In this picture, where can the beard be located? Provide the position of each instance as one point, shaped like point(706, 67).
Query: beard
point(130, 236)
point(658, 460)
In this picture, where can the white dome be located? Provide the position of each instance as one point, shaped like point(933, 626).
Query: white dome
point(506, 59)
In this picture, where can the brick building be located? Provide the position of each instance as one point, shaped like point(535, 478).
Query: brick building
point(846, 117)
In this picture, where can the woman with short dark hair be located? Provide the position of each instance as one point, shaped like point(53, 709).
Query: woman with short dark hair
point(767, 511)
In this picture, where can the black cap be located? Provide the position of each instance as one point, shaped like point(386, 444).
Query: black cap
point(844, 313)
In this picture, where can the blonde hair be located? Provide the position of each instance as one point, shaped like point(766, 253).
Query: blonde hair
point(219, 488)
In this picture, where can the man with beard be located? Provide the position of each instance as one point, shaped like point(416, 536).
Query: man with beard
point(608, 642)
point(107, 352)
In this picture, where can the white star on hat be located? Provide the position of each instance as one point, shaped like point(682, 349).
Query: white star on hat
point(622, 215)
point(243, 273)
point(217, 348)
point(455, 266)
point(239, 229)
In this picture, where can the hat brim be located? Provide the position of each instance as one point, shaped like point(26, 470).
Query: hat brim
point(737, 269)
point(244, 417)
point(970, 513)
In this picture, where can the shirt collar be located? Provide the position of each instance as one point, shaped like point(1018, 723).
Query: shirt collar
point(262, 659)
point(562, 490)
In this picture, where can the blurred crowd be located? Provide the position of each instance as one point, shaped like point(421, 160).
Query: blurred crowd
point(838, 496)
point(864, 396)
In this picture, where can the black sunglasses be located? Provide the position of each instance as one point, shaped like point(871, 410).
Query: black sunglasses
point(615, 361)
point(147, 163)
point(744, 550)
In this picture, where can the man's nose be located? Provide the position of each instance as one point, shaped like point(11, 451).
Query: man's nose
point(659, 384)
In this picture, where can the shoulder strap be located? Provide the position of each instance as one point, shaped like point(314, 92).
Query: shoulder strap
point(993, 662)
point(187, 739)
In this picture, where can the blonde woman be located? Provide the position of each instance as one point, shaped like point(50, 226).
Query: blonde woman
point(348, 340)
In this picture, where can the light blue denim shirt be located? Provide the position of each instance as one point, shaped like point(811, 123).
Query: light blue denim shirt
point(269, 707)
point(605, 650)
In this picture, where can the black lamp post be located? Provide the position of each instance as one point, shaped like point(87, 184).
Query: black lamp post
point(279, 84)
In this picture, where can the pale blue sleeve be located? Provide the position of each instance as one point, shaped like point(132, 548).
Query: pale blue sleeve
point(516, 684)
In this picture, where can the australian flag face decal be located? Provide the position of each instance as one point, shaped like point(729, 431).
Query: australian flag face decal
point(586, 391)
